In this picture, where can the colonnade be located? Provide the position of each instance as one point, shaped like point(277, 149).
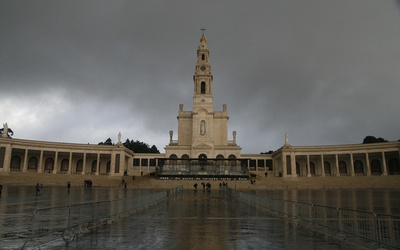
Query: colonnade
point(336, 161)
point(63, 158)
point(116, 160)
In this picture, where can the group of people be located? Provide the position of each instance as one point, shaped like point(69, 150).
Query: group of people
point(205, 186)
point(208, 185)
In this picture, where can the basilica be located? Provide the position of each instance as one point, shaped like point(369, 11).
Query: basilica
point(203, 148)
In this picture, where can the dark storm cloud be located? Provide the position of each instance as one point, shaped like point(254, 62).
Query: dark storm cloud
point(326, 72)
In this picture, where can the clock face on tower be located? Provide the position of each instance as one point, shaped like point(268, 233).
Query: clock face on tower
point(203, 68)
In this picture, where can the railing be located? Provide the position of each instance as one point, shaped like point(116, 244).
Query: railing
point(68, 221)
point(361, 228)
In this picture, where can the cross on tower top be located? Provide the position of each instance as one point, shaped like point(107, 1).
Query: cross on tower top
point(203, 29)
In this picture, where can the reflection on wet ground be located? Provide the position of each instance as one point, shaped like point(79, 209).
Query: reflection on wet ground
point(191, 220)
point(17, 204)
point(375, 200)
point(201, 220)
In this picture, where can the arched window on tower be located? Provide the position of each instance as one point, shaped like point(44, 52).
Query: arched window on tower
point(203, 88)
point(203, 57)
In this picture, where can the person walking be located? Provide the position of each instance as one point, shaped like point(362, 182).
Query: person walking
point(37, 189)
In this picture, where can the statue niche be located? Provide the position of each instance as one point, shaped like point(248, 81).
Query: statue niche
point(202, 127)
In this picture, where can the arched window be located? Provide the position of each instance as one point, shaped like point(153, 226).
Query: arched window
point(173, 159)
point(203, 57)
point(327, 168)
point(79, 166)
point(108, 167)
point(64, 165)
point(358, 167)
point(94, 166)
point(33, 163)
point(203, 88)
point(376, 167)
point(202, 161)
point(49, 164)
point(342, 168)
point(15, 163)
point(312, 168)
point(203, 156)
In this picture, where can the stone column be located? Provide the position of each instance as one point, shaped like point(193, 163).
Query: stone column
point(352, 165)
point(337, 165)
point(384, 164)
point(25, 166)
point(368, 165)
point(112, 164)
point(40, 166)
point(130, 165)
point(55, 170)
point(256, 165)
point(293, 164)
point(98, 164)
point(7, 158)
point(70, 163)
point(322, 166)
point(84, 164)
point(308, 166)
point(284, 165)
point(122, 164)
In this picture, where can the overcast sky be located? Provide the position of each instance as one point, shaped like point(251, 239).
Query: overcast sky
point(326, 72)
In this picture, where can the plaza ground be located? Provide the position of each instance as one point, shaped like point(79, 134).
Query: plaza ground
point(148, 182)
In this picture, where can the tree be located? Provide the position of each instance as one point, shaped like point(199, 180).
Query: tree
point(107, 142)
point(269, 152)
point(135, 146)
point(140, 147)
point(373, 139)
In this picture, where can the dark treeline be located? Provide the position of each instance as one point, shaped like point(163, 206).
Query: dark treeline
point(135, 146)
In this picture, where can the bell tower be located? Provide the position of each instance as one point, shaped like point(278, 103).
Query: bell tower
point(202, 78)
point(202, 132)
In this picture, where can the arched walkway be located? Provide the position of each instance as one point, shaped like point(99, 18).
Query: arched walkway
point(394, 167)
point(342, 168)
point(327, 168)
point(64, 166)
point(376, 168)
point(93, 169)
point(33, 164)
point(312, 168)
point(358, 167)
point(49, 165)
point(15, 164)
point(79, 166)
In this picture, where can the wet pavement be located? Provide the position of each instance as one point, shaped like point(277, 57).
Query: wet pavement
point(17, 204)
point(190, 220)
point(200, 220)
point(385, 201)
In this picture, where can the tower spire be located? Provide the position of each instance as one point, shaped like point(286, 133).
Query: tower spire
point(202, 97)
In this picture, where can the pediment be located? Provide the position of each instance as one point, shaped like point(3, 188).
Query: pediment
point(202, 146)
